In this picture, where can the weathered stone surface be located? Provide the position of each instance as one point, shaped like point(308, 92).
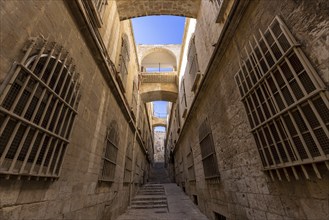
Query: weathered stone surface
point(131, 9)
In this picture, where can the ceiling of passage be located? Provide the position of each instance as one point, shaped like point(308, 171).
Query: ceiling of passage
point(136, 8)
point(154, 59)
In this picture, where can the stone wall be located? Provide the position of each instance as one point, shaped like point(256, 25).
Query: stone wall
point(159, 137)
point(77, 193)
point(244, 190)
point(131, 9)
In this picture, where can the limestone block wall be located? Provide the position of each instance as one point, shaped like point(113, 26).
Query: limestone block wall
point(77, 193)
point(159, 137)
point(131, 9)
point(244, 190)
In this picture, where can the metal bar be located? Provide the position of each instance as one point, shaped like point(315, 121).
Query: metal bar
point(271, 174)
point(52, 155)
point(299, 134)
point(310, 131)
point(286, 174)
point(295, 173)
point(32, 124)
point(322, 124)
point(278, 174)
point(44, 90)
point(267, 73)
point(292, 106)
point(29, 151)
point(51, 140)
point(13, 163)
point(305, 172)
point(49, 89)
point(316, 171)
point(57, 159)
point(38, 152)
point(9, 143)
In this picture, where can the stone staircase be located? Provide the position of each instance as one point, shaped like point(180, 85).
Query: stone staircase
point(150, 196)
point(151, 199)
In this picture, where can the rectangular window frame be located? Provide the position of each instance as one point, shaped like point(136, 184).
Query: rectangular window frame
point(208, 152)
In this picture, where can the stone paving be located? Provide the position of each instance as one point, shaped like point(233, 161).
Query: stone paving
point(179, 207)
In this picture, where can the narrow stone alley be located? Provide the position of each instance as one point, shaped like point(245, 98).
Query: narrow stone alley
point(164, 109)
point(160, 199)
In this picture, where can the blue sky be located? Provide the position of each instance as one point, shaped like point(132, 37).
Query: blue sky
point(159, 30)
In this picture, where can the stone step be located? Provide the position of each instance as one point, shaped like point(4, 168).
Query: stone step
point(149, 203)
point(152, 190)
point(151, 193)
point(151, 206)
point(148, 198)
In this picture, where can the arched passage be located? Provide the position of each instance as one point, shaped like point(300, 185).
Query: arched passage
point(158, 56)
point(132, 9)
point(160, 94)
point(159, 122)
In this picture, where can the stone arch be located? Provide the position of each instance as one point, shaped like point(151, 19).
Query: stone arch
point(169, 52)
point(159, 95)
point(159, 124)
point(132, 9)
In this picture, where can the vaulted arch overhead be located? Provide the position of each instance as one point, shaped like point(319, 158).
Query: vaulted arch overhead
point(154, 59)
point(138, 8)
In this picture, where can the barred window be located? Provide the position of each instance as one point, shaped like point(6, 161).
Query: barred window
point(124, 60)
point(137, 171)
point(134, 98)
point(192, 64)
point(183, 102)
point(286, 103)
point(111, 153)
point(208, 153)
point(128, 164)
point(190, 166)
point(95, 9)
point(37, 111)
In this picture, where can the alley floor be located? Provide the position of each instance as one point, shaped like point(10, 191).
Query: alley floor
point(162, 202)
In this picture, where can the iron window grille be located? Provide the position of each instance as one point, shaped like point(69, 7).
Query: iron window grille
point(286, 102)
point(134, 98)
point(124, 60)
point(190, 166)
point(96, 9)
point(128, 164)
point(38, 106)
point(193, 65)
point(183, 102)
point(110, 154)
point(208, 153)
point(137, 171)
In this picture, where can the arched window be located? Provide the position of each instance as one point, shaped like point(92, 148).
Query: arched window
point(192, 64)
point(96, 9)
point(124, 60)
point(37, 111)
point(110, 153)
point(128, 163)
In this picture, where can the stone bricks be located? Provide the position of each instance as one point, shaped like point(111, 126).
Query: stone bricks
point(131, 9)
point(256, 195)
